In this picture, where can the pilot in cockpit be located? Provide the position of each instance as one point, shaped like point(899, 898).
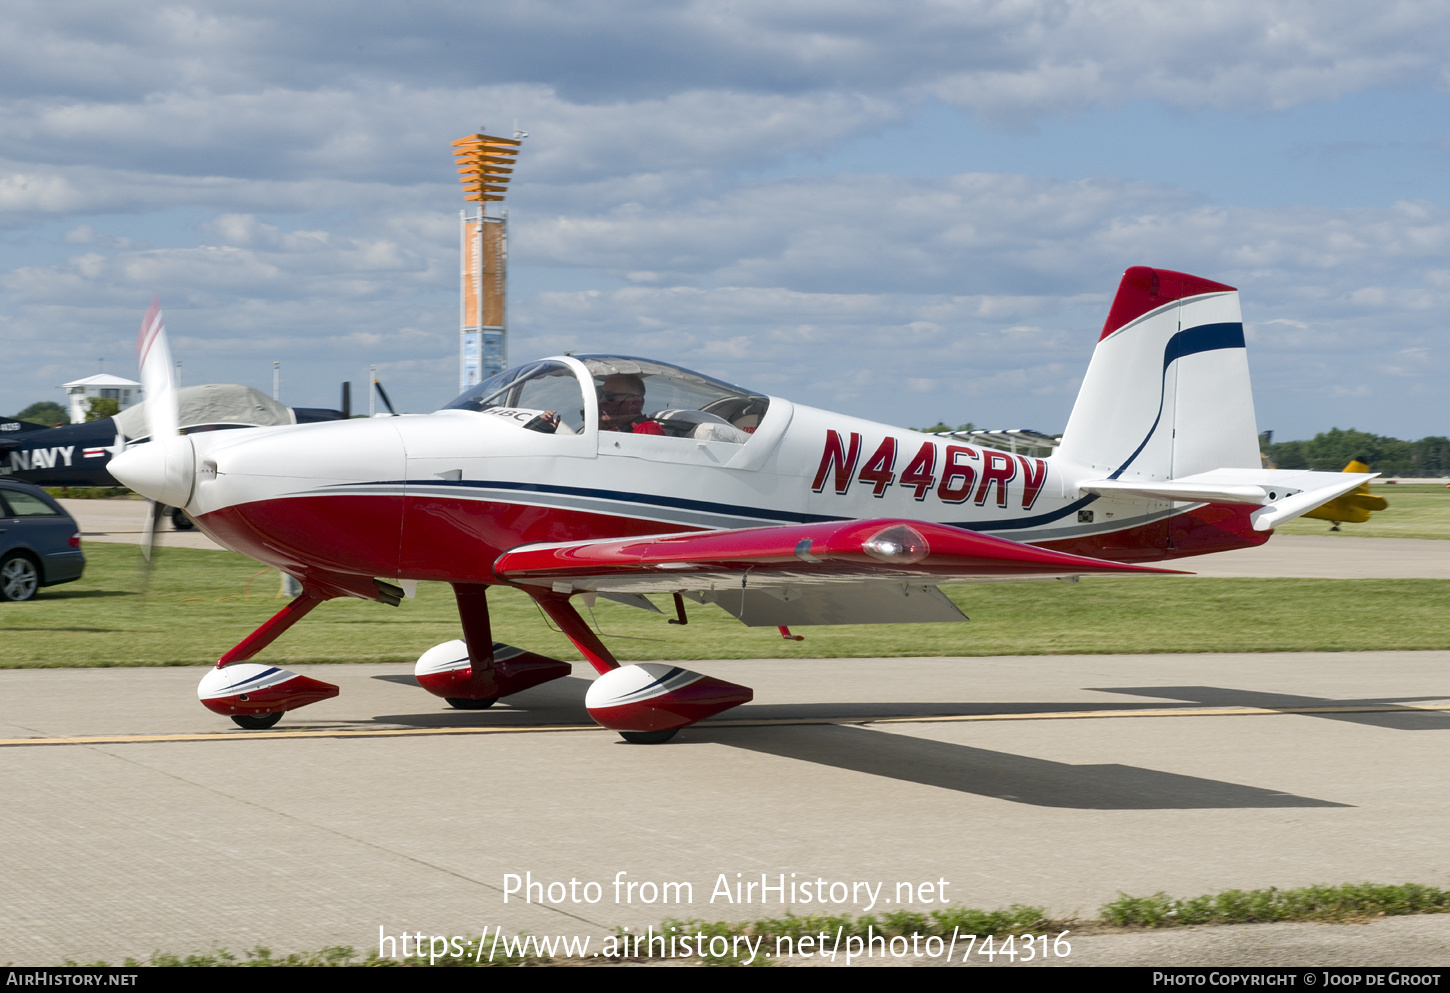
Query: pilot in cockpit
point(621, 405)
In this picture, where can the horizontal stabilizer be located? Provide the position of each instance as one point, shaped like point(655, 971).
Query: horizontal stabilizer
point(1180, 490)
point(1301, 503)
point(1282, 494)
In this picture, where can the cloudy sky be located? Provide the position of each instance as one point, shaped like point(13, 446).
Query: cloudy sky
point(909, 211)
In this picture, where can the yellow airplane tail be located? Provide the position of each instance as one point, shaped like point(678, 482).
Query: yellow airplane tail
point(1354, 507)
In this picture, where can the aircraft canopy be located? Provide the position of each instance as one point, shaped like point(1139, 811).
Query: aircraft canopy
point(684, 402)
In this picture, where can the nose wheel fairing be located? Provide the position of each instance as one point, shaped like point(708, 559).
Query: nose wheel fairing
point(251, 689)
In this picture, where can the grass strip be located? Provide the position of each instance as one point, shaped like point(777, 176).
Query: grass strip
point(1416, 510)
point(1351, 902)
point(89, 492)
point(196, 604)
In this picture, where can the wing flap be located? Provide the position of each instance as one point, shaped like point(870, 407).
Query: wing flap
point(859, 603)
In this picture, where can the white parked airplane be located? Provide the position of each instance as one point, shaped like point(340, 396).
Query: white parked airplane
point(608, 475)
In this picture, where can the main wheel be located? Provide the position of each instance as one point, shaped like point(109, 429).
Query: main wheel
point(19, 577)
point(180, 521)
point(257, 722)
point(460, 703)
point(648, 737)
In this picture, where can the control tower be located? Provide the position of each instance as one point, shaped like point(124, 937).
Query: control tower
point(485, 166)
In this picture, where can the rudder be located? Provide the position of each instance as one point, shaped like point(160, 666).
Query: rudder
point(1167, 392)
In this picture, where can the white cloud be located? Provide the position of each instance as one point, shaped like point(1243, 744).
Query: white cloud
point(37, 192)
point(399, 135)
point(1018, 56)
point(795, 287)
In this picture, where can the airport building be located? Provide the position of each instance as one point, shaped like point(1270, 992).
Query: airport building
point(80, 393)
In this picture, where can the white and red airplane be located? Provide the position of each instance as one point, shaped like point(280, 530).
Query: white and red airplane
point(592, 475)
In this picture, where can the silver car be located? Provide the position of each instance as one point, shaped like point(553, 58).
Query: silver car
point(40, 544)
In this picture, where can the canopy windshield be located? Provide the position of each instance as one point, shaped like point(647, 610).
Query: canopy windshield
point(681, 402)
point(542, 386)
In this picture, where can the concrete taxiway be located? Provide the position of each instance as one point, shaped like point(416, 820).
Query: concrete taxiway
point(124, 521)
point(136, 821)
point(1328, 557)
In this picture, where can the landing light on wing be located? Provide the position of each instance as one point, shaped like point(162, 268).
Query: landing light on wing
point(898, 545)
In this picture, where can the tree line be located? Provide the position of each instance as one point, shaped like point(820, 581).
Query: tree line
point(1331, 450)
point(52, 415)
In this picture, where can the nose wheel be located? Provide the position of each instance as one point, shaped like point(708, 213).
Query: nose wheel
point(257, 722)
point(648, 737)
point(461, 703)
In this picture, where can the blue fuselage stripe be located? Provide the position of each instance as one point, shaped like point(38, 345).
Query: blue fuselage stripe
point(616, 496)
point(768, 516)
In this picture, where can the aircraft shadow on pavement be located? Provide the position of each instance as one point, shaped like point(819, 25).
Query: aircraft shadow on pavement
point(1002, 775)
point(560, 701)
point(549, 698)
point(1215, 696)
point(402, 679)
point(908, 709)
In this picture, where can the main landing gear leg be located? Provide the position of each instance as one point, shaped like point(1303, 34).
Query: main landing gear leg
point(255, 696)
point(562, 613)
point(645, 703)
point(473, 673)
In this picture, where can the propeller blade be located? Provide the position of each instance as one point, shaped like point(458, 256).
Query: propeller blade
point(384, 394)
point(148, 533)
point(158, 375)
point(165, 468)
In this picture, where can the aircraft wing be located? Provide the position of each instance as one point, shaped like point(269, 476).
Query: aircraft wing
point(839, 572)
